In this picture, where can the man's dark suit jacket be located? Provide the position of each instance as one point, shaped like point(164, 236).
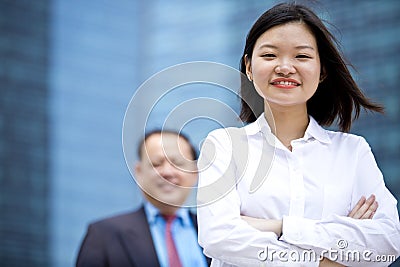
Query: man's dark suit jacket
point(120, 241)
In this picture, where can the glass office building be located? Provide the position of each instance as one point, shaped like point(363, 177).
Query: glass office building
point(25, 178)
point(70, 68)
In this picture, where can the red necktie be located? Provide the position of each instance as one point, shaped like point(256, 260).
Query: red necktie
point(173, 256)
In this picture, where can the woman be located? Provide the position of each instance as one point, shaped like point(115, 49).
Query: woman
point(282, 187)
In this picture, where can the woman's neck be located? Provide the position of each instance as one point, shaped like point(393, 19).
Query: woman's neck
point(287, 123)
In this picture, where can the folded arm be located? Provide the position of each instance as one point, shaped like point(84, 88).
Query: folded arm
point(361, 241)
point(364, 209)
point(223, 234)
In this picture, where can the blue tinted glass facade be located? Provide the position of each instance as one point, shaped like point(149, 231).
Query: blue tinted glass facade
point(371, 42)
point(24, 134)
point(93, 75)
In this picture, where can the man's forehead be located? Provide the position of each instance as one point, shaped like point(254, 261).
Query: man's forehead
point(170, 144)
point(165, 139)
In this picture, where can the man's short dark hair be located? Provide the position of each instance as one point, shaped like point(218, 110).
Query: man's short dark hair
point(158, 131)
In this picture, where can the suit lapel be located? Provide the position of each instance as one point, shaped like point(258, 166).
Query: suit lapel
point(137, 240)
point(194, 221)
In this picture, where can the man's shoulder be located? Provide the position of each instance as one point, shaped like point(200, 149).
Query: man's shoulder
point(118, 220)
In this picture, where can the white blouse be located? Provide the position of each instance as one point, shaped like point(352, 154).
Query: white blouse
point(248, 171)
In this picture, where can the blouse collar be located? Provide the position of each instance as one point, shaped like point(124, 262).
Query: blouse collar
point(314, 130)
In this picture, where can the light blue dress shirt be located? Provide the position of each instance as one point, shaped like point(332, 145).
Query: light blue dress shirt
point(184, 235)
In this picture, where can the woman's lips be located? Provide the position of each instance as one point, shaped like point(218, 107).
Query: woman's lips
point(285, 83)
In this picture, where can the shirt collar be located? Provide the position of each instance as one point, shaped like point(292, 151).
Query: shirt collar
point(153, 214)
point(260, 125)
point(314, 130)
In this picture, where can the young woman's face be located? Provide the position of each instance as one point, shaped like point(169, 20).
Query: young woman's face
point(285, 65)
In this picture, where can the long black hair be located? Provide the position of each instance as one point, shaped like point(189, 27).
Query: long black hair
point(337, 96)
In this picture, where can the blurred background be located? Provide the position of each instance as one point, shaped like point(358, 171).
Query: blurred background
point(69, 68)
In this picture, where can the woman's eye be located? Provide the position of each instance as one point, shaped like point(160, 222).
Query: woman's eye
point(268, 55)
point(303, 56)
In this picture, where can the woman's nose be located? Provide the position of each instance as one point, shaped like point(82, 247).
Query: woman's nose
point(285, 68)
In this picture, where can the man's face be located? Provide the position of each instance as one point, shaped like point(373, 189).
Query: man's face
point(167, 171)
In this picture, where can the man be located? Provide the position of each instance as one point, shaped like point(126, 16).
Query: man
point(151, 236)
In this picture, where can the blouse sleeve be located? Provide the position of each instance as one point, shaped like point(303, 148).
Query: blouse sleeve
point(222, 233)
point(353, 242)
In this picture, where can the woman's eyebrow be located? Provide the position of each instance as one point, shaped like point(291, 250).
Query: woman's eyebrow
point(268, 46)
point(304, 47)
point(297, 47)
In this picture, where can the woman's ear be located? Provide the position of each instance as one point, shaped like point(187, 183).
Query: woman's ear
point(247, 62)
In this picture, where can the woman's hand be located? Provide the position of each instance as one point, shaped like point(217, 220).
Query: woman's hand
point(364, 209)
point(325, 262)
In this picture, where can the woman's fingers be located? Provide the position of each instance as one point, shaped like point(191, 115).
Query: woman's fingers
point(357, 207)
point(365, 208)
point(370, 211)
